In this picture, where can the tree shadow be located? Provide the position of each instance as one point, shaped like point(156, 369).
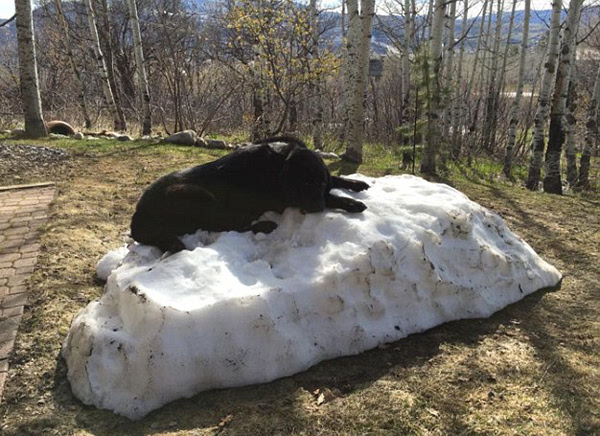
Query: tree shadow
point(278, 403)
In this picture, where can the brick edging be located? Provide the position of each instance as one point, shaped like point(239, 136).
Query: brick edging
point(23, 210)
point(27, 186)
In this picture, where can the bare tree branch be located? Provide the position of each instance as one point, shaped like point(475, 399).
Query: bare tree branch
point(8, 21)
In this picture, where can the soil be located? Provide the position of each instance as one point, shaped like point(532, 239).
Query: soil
point(530, 369)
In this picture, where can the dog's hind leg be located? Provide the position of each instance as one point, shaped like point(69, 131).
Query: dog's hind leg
point(343, 183)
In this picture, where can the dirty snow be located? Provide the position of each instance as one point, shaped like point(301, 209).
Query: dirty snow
point(240, 308)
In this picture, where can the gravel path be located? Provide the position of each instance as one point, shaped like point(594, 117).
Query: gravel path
point(15, 160)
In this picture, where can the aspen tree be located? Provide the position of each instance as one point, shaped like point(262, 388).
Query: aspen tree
point(317, 110)
point(28, 75)
point(140, 66)
point(358, 49)
point(556, 134)
point(107, 92)
point(539, 140)
point(432, 144)
point(67, 40)
point(516, 106)
point(591, 126)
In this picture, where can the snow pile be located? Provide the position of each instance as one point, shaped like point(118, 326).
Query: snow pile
point(242, 308)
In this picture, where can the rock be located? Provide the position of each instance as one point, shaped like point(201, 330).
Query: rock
point(18, 132)
point(60, 127)
point(124, 138)
point(325, 155)
point(91, 138)
point(200, 142)
point(5, 132)
point(78, 135)
point(186, 137)
point(217, 143)
point(58, 136)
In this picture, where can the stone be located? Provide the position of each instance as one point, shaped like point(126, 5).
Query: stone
point(57, 136)
point(325, 155)
point(185, 137)
point(216, 143)
point(78, 135)
point(124, 138)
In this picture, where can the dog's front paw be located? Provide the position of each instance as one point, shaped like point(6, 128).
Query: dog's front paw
point(360, 186)
point(355, 206)
point(263, 227)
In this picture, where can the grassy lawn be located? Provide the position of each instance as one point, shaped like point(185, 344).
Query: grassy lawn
point(531, 369)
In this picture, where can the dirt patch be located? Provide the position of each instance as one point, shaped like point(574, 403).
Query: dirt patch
point(533, 368)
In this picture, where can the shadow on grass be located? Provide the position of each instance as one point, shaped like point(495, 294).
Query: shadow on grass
point(275, 408)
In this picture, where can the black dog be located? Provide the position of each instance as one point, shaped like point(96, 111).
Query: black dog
point(232, 192)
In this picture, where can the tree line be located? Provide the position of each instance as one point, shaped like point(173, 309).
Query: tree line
point(459, 79)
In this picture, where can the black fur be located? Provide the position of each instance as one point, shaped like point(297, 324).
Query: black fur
point(232, 192)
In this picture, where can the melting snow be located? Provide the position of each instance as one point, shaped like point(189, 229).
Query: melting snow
point(240, 308)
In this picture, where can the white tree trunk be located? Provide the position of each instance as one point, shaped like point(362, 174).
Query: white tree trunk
point(351, 35)
point(30, 91)
point(67, 40)
point(471, 81)
point(516, 106)
point(359, 45)
point(552, 180)
point(141, 67)
point(570, 125)
point(539, 140)
point(591, 126)
point(107, 92)
point(507, 46)
point(317, 110)
point(456, 110)
point(492, 98)
point(449, 65)
point(408, 43)
point(432, 144)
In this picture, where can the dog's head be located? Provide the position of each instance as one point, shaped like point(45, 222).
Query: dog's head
point(305, 180)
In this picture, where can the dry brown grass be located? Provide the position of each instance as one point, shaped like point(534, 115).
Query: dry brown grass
point(531, 369)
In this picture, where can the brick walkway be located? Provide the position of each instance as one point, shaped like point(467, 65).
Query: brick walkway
point(23, 209)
